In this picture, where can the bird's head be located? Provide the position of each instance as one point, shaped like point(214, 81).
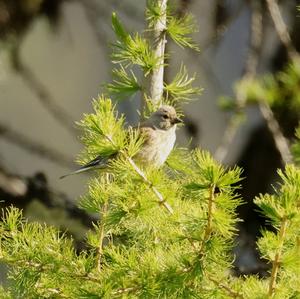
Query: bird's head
point(165, 117)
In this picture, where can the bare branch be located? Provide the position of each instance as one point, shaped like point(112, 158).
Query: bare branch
point(159, 32)
point(221, 285)
point(220, 32)
point(35, 147)
point(20, 191)
point(249, 73)
point(94, 15)
point(42, 93)
point(281, 29)
point(281, 142)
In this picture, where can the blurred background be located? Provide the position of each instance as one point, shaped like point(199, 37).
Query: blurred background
point(55, 57)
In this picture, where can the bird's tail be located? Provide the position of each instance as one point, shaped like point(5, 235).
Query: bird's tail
point(98, 162)
point(81, 169)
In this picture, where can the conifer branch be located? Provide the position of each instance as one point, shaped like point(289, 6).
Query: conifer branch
point(159, 35)
point(161, 199)
point(208, 227)
point(230, 291)
point(101, 234)
point(57, 292)
point(276, 262)
point(125, 290)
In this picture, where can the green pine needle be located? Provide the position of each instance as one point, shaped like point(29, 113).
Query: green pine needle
point(124, 84)
point(118, 28)
point(131, 50)
point(181, 88)
point(296, 147)
point(103, 131)
point(180, 30)
point(153, 13)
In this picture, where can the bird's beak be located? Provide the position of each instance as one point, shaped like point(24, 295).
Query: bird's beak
point(177, 121)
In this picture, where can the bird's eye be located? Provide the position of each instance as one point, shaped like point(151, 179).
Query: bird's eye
point(165, 116)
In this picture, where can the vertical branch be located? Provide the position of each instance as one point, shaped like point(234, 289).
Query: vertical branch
point(159, 35)
point(276, 262)
point(102, 215)
point(101, 235)
point(249, 73)
point(208, 228)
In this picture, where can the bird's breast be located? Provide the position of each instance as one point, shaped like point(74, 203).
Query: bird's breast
point(157, 149)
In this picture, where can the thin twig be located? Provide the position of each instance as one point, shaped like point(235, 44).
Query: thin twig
point(161, 199)
point(249, 73)
point(279, 139)
point(159, 32)
point(281, 29)
point(125, 290)
point(57, 293)
point(218, 34)
point(276, 262)
point(207, 233)
point(95, 16)
point(102, 234)
point(208, 227)
point(22, 190)
point(221, 285)
point(35, 147)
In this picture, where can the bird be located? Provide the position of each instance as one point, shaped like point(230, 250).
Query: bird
point(159, 135)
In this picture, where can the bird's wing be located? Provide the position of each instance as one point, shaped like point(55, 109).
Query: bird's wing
point(101, 162)
point(98, 162)
point(147, 133)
